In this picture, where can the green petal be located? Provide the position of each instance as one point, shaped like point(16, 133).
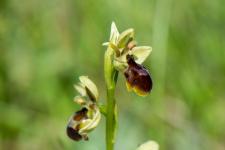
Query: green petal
point(90, 87)
point(141, 53)
point(80, 89)
point(114, 35)
point(125, 37)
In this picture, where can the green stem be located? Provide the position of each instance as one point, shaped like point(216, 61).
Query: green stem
point(110, 120)
point(111, 117)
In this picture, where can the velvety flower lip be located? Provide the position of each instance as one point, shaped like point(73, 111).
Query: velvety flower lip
point(73, 126)
point(73, 134)
point(83, 121)
point(137, 77)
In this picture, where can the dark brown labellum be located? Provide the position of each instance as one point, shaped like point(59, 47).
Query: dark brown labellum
point(138, 78)
point(72, 129)
point(73, 134)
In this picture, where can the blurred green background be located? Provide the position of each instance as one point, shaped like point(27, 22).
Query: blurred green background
point(46, 45)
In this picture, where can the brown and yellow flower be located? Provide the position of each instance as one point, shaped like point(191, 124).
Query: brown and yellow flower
point(137, 77)
point(128, 59)
point(86, 119)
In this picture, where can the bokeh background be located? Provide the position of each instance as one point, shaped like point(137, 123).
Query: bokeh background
point(46, 45)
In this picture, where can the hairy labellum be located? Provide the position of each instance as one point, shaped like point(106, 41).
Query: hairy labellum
point(137, 77)
point(83, 121)
point(73, 134)
point(73, 125)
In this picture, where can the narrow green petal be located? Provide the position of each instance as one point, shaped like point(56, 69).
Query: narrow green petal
point(80, 90)
point(125, 37)
point(114, 35)
point(90, 87)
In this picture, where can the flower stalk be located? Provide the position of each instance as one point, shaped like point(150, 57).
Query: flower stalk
point(111, 78)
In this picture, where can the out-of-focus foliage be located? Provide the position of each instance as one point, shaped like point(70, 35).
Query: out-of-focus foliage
point(46, 45)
